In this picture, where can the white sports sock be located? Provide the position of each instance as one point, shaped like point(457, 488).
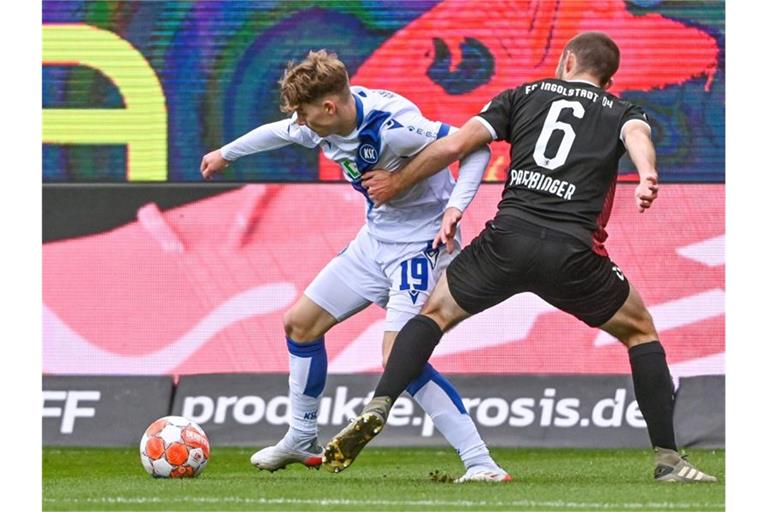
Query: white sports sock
point(308, 366)
point(442, 403)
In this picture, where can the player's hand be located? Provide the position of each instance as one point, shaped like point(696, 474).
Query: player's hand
point(381, 185)
point(646, 193)
point(212, 163)
point(451, 219)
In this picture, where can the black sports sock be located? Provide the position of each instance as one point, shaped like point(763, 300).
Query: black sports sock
point(654, 392)
point(411, 351)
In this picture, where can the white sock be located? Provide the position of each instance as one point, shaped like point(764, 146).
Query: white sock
point(442, 403)
point(308, 365)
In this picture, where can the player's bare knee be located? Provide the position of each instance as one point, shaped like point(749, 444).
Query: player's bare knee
point(639, 340)
point(446, 314)
point(297, 330)
point(642, 322)
point(638, 329)
point(437, 311)
point(384, 356)
point(645, 324)
point(386, 347)
point(289, 325)
point(436, 315)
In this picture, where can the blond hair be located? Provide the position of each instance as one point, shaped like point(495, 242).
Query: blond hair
point(319, 74)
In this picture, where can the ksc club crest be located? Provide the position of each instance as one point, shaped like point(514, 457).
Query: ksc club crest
point(368, 153)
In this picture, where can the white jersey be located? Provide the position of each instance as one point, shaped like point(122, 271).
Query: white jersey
point(390, 131)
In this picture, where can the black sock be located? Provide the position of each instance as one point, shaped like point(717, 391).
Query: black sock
point(654, 392)
point(411, 351)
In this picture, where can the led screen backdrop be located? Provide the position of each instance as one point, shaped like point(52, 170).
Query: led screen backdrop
point(140, 90)
point(184, 277)
point(160, 287)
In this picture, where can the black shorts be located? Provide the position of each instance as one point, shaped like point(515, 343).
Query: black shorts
point(511, 256)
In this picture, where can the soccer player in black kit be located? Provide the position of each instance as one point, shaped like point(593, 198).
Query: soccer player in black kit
point(566, 136)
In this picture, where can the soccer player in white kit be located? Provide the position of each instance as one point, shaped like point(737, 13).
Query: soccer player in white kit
point(395, 259)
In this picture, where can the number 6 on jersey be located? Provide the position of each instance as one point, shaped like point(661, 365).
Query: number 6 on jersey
point(550, 125)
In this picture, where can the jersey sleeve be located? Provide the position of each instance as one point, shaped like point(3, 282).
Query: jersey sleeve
point(471, 171)
point(270, 136)
point(409, 133)
point(497, 114)
point(633, 114)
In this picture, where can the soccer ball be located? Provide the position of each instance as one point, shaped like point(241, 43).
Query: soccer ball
point(174, 447)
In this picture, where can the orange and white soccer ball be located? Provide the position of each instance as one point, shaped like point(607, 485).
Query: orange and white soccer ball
point(174, 447)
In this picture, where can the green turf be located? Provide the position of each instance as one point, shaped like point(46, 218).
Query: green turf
point(381, 479)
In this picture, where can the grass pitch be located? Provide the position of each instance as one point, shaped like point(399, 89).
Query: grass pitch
point(381, 479)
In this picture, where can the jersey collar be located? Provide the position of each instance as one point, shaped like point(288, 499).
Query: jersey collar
point(359, 110)
point(583, 81)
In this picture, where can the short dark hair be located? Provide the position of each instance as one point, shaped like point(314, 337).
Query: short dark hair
point(595, 53)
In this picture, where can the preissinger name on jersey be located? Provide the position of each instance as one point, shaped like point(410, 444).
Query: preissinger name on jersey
point(535, 180)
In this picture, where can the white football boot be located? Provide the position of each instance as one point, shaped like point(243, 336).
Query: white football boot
point(484, 473)
point(280, 455)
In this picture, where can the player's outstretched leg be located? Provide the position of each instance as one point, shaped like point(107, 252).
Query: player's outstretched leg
point(410, 352)
point(655, 397)
point(441, 401)
point(654, 390)
point(412, 348)
point(308, 364)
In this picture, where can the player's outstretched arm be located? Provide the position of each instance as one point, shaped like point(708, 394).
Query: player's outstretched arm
point(264, 138)
point(438, 155)
point(637, 140)
point(471, 173)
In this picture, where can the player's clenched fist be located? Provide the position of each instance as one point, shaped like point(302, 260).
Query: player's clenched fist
point(646, 193)
point(212, 163)
point(381, 185)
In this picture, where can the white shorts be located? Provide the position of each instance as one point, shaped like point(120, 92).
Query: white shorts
point(398, 276)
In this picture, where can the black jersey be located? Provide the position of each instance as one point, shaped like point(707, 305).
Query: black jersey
point(565, 148)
